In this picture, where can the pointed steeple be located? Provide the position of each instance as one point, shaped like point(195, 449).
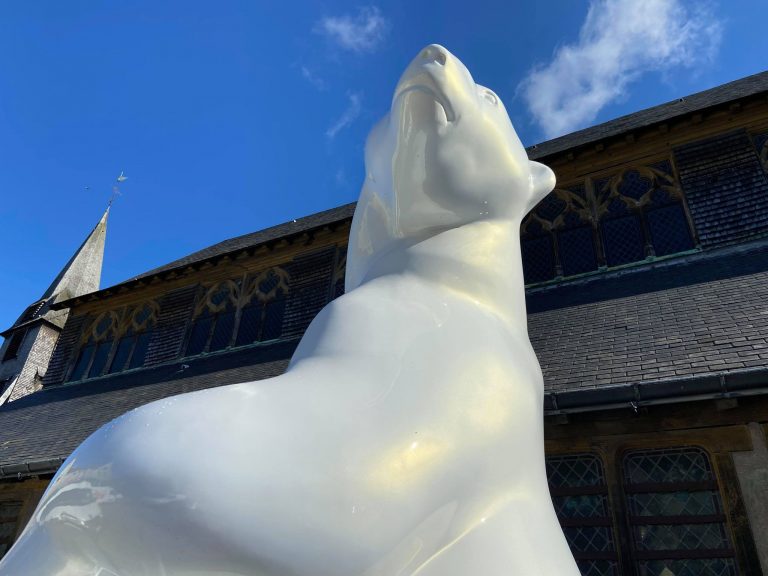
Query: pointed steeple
point(79, 276)
point(82, 273)
point(26, 349)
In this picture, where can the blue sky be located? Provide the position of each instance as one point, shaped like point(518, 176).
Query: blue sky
point(232, 116)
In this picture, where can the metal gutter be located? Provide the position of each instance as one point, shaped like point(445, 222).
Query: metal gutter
point(627, 396)
point(635, 395)
point(30, 468)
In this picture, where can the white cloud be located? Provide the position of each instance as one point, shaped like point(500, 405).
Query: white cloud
point(619, 41)
point(349, 115)
point(362, 32)
point(313, 79)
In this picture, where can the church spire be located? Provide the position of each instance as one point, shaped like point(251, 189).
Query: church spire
point(82, 273)
point(26, 350)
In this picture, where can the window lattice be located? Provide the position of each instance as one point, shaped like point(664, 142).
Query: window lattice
point(114, 341)
point(239, 312)
point(676, 514)
point(635, 214)
point(262, 316)
point(538, 259)
point(580, 496)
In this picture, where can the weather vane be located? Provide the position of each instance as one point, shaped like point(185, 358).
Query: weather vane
point(116, 187)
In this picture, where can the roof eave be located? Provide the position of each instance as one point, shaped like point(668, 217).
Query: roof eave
point(31, 468)
point(635, 395)
point(631, 396)
point(143, 280)
point(720, 96)
point(7, 332)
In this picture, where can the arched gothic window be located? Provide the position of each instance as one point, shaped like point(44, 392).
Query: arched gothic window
point(116, 340)
point(214, 318)
point(263, 307)
point(135, 334)
point(676, 514)
point(239, 312)
point(635, 214)
point(96, 347)
point(580, 496)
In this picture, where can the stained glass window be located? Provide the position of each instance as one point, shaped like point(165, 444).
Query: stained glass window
point(198, 334)
point(95, 350)
point(262, 317)
point(629, 216)
point(116, 340)
point(250, 323)
point(122, 353)
point(239, 312)
point(140, 350)
point(538, 258)
point(577, 250)
point(580, 496)
point(100, 357)
point(82, 362)
point(676, 514)
point(214, 321)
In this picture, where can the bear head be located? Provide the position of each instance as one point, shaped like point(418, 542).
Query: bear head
point(446, 155)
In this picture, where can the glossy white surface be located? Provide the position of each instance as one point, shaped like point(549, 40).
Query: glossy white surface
point(406, 438)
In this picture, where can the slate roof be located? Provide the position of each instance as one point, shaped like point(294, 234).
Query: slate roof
point(331, 217)
point(695, 325)
point(683, 327)
point(690, 317)
point(742, 88)
point(38, 431)
point(285, 230)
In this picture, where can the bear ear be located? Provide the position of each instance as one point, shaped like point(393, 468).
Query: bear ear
point(542, 183)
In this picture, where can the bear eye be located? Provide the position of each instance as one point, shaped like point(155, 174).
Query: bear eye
point(491, 97)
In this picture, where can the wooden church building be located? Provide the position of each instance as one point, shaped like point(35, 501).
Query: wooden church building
point(647, 296)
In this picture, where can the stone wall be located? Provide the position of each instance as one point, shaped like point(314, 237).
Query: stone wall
point(752, 470)
point(36, 364)
point(18, 500)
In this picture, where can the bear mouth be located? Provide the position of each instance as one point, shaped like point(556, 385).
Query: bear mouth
point(444, 110)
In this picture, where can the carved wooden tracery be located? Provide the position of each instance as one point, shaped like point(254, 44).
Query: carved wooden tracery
point(239, 311)
point(115, 340)
point(636, 213)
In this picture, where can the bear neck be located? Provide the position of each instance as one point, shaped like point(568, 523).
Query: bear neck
point(480, 261)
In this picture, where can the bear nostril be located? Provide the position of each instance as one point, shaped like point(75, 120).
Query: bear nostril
point(434, 54)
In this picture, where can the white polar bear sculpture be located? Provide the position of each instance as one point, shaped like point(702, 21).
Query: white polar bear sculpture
point(406, 437)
